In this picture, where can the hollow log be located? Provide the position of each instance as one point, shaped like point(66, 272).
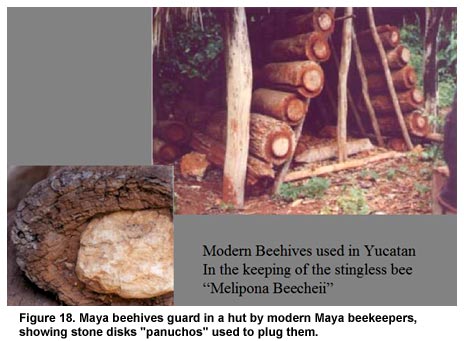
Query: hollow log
point(175, 132)
point(409, 100)
point(396, 58)
point(307, 77)
point(403, 79)
point(165, 152)
point(312, 46)
point(284, 106)
point(389, 37)
point(270, 139)
point(307, 153)
point(320, 20)
point(417, 124)
point(259, 175)
point(87, 233)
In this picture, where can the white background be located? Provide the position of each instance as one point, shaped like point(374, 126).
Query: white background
point(433, 322)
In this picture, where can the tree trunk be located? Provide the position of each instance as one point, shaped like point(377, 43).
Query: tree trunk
point(284, 106)
point(417, 124)
point(270, 139)
point(306, 77)
point(345, 57)
point(306, 153)
point(408, 101)
point(396, 58)
point(365, 90)
point(403, 79)
point(388, 35)
point(432, 25)
point(259, 174)
point(164, 152)
point(312, 46)
point(239, 87)
point(60, 214)
point(172, 131)
point(320, 20)
point(391, 88)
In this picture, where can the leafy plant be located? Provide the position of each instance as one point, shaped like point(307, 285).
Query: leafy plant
point(391, 173)
point(425, 173)
point(369, 174)
point(313, 188)
point(353, 202)
point(433, 152)
point(422, 189)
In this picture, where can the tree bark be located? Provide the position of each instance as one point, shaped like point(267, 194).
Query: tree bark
point(365, 90)
point(417, 124)
point(345, 57)
point(389, 38)
point(391, 89)
point(51, 218)
point(306, 153)
point(432, 25)
point(312, 46)
point(239, 87)
point(408, 101)
point(320, 20)
point(172, 131)
point(403, 79)
point(396, 58)
point(284, 106)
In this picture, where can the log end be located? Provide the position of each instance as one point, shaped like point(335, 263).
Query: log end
point(417, 96)
point(411, 76)
point(319, 48)
point(404, 54)
point(128, 253)
point(313, 80)
point(280, 146)
point(395, 37)
point(325, 21)
point(296, 110)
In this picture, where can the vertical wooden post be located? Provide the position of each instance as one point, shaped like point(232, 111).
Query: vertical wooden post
point(365, 90)
point(239, 87)
point(345, 57)
point(391, 88)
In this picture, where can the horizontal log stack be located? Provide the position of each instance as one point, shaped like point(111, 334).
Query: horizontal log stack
point(404, 79)
point(169, 139)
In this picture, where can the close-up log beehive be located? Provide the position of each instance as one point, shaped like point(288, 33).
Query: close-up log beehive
point(99, 235)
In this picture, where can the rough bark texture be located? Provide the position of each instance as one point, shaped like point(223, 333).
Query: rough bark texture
point(174, 132)
point(345, 57)
point(312, 46)
point(259, 174)
point(306, 154)
point(307, 77)
point(164, 152)
point(391, 89)
point(270, 139)
point(239, 87)
point(194, 165)
point(365, 90)
point(396, 58)
point(403, 79)
point(417, 124)
point(389, 38)
point(284, 106)
point(50, 219)
point(408, 101)
point(321, 20)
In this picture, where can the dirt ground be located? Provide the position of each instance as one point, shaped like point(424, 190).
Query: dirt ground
point(391, 187)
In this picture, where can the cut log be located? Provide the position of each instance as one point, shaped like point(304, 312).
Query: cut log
point(307, 76)
point(408, 100)
point(417, 124)
point(321, 20)
point(436, 137)
point(284, 106)
point(397, 144)
point(389, 37)
point(307, 173)
point(307, 153)
point(403, 79)
point(165, 152)
point(396, 58)
point(194, 165)
point(174, 132)
point(270, 139)
point(117, 204)
point(260, 174)
point(312, 46)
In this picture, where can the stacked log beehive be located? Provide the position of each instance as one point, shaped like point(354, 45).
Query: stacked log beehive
point(404, 81)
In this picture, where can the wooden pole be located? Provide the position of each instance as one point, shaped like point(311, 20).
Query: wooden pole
point(345, 57)
point(239, 87)
point(365, 90)
point(391, 88)
point(286, 166)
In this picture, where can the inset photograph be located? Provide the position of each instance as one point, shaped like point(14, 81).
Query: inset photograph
point(90, 235)
point(333, 111)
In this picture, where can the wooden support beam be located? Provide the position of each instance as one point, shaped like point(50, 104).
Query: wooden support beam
point(345, 57)
point(307, 173)
point(391, 88)
point(365, 90)
point(306, 153)
point(239, 87)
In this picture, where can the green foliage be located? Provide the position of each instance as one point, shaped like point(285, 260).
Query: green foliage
point(432, 152)
point(422, 189)
point(353, 201)
point(391, 173)
point(411, 37)
point(369, 174)
point(313, 188)
point(425, 173)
